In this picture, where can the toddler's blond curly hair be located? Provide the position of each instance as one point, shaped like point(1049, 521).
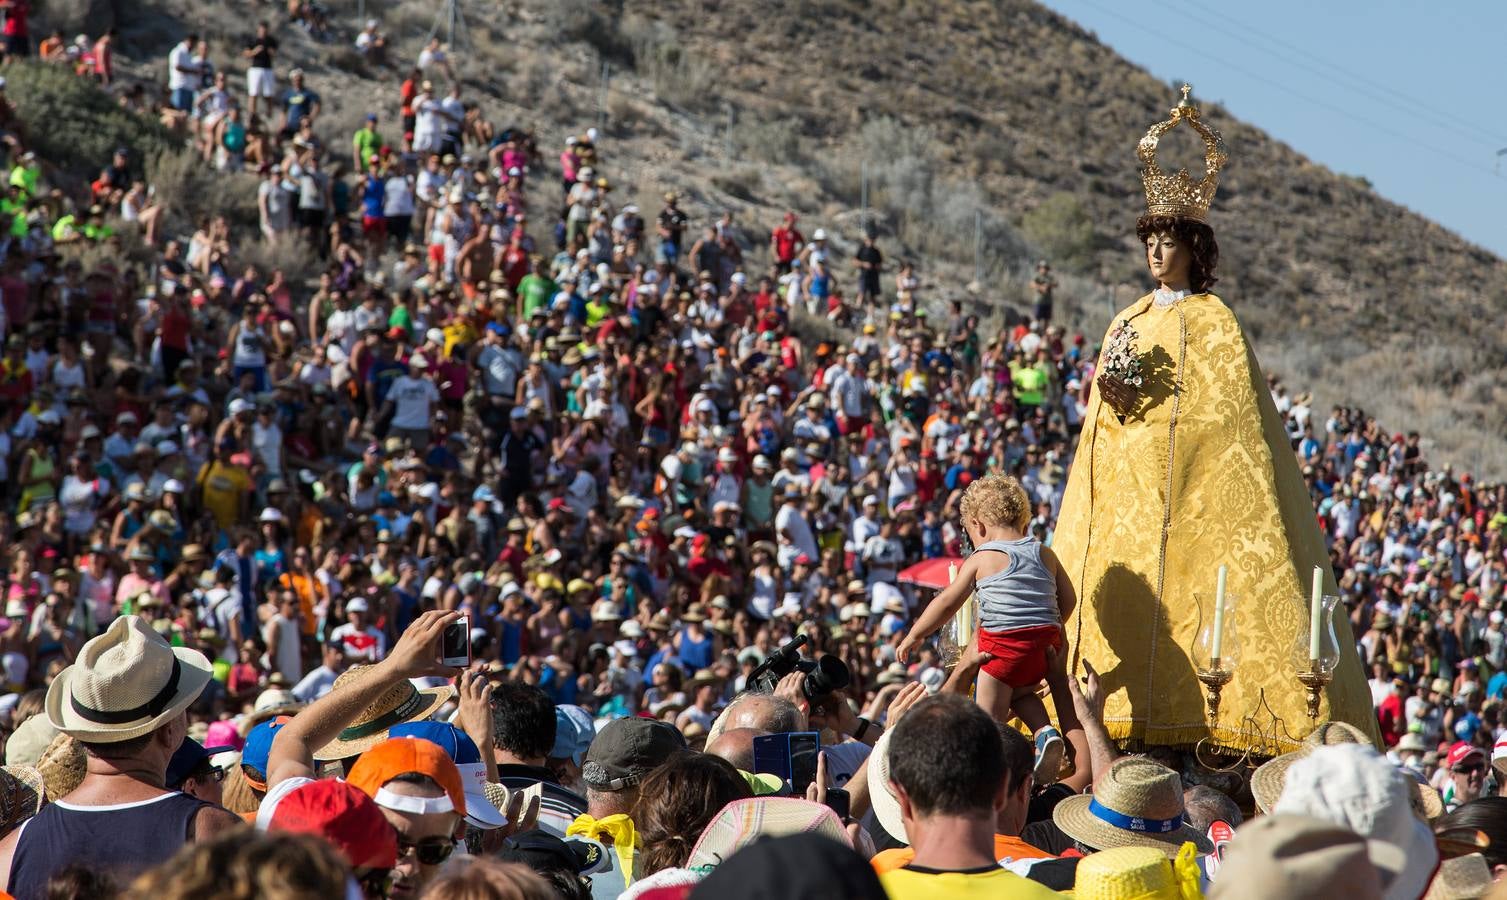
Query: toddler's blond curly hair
point(997, 500)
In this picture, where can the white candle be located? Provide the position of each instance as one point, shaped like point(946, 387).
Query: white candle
point(1224, 573)
point(1317, 615)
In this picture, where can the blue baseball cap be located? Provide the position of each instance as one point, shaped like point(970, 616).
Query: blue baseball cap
point(462, 751)
point(189, 756)
point(574, 731)
point(258, 748)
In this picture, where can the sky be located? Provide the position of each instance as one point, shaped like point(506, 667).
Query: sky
point(1401, 92)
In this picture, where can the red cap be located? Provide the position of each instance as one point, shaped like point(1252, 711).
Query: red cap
point(700, 540)
point(1462, 751)
point(557, 503)
point(342, 815)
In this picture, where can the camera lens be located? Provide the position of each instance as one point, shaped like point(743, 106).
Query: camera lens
point(831, 674)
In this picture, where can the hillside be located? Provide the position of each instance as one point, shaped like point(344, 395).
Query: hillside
point(990, 117)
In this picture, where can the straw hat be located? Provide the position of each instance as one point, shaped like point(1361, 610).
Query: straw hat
point(882, 797)
point(1461, 878)
point(29, 741)
point(21, 792)
point(398, 704)
point(1137, 873)
point(1267, 780)
point(1138, 803)
point(62, 766)
point(742, 822)
point(127, 682)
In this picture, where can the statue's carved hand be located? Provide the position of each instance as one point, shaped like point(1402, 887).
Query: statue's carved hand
point(1121, 397)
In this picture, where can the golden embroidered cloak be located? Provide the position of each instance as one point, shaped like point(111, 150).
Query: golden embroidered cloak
point(1200, 473)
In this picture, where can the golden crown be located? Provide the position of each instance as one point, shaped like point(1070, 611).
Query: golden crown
point(1179, 195)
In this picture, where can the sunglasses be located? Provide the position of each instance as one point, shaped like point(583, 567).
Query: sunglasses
point(375, 883)
point(429, 852)
point(1476, 769)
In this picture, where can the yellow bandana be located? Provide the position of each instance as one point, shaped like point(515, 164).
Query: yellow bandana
point(619, 828)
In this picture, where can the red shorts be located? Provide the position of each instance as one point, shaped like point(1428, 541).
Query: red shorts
point(1020, 655)
point(374, 226)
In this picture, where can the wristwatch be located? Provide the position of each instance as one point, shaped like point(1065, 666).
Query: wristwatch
point(863, 728)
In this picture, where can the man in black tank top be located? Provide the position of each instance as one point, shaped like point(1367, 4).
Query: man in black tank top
point(125, 701)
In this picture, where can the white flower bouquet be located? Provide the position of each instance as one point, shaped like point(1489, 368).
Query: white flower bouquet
point(1121, 361)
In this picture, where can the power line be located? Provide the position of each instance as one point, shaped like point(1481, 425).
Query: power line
point(1307, 97)
point(1360, 84)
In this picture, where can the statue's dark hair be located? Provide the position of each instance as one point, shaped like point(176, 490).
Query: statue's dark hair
point(1196, 236)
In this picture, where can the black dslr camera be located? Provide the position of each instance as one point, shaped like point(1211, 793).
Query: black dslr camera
point(823, 676)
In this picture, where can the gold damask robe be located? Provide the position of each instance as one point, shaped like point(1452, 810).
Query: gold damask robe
point(1136, 554)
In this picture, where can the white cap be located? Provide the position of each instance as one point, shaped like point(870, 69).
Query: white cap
point(417, 361)
point(726, 455)
point(819, 234)
point(270, 514)
point(434, 336)
point(739, 278)
point(356, 604)
point(172, 486)
point(625, 647)
point(238, 406)
point(1353, 786)
point(762, 463)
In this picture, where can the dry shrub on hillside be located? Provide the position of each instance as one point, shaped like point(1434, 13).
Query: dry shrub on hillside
point(74, 125)
point(191, 190)
point(1061, 227)
point(296, 260)
point(773, 141)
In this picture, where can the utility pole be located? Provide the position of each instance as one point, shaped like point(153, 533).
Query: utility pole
point(978, 246)
point(602, 96)
point(863, 198)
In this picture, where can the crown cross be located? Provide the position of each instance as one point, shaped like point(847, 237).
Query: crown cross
point(1178, 194)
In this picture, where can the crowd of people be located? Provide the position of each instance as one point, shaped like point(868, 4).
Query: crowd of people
point(630, 462)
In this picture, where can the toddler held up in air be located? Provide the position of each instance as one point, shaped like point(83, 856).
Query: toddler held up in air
point(1024, 596)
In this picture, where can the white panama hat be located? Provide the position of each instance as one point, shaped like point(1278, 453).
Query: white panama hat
point(126, 683)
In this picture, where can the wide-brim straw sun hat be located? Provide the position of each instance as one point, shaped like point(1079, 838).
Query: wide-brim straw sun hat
point(1462, 878)
point(1137, 873)
point(126, 683)
point(742, 822)
point(62, 766)
point(1267, 780)
point(21, 793)
point(403, 702)
point(1138, 803)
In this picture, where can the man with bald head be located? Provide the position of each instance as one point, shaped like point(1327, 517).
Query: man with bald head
point(736, 746)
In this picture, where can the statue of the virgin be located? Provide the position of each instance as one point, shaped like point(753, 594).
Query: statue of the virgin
point(1183, 466)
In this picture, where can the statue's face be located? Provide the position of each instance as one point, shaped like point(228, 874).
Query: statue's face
point(1168, 259)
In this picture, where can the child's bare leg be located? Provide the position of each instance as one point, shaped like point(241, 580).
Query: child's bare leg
point(1031, 710)
point(994, 696)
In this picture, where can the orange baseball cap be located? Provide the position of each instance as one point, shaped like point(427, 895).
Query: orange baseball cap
point(401, 756)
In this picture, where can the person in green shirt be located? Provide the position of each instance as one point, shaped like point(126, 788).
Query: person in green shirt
point(536, 288)
point(1030, 384)
point(366, 142)
point(26, 174)
point(597, 308)
point(65, 229)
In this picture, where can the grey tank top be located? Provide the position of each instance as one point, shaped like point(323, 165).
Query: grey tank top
point(1021, 595)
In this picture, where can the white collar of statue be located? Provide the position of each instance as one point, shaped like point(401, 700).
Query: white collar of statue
point(1165, 297)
